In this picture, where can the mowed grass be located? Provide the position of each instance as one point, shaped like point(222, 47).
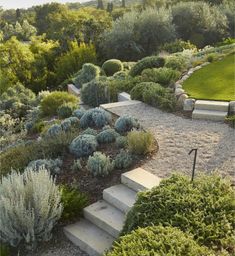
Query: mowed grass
point(215, 81)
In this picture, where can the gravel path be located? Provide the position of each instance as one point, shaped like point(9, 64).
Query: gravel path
point(176, 136)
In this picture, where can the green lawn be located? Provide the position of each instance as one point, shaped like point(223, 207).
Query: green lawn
point(213, 82)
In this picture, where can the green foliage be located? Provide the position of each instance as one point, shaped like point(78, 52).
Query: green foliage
point(178, 46)
point(79, 112)
point(123, 160)
point(163, 76)
point(121, 141)
point(95, 92)
point(54, 130)
point(83, 145)
point(211, 57)
point(107, 136)
point(147, 62)
point(95, 117)
point(138, 90)
point(140, 142)
point(73, 202)
point(204, 209)
point(68, 123)
point(125, 124)
point(90, 131)
point(99, 164)
point(77, 166)
point(51, 103)
point(4, 250)
point(72, 61)
point(176, 62)
point(66, 110)
point(112, 66)
point(86, 74)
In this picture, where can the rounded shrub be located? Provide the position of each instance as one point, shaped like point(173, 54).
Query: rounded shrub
point(107, 136)
point(121, 141)
point(51, 103)
point(158, 240)
point(66, 110)
point(112, 66)
point(147, 62)
point(140, 142)
point(79, 113)
point(83, 145)
point(90, 131)
point(178, 46)
point(123, 160)
point(138, 90)
point(125, 124)
point(99, 164)
point(176, 62)
point(95, 117)
point(54, 130)
point(204, 208)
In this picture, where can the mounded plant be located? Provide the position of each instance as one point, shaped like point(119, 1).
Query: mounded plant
point(121, 141)
point(138, 91)
point(158, 240)
point(51, 103)
point(203, 208)
point(90, 131)
point(79, 112)
point(176, 62)
point(125, 124)
point(99, 164)
point(54, 130)
point(107, 136)
point(140, 142)
point(83, 145)
point(66, 110)
point(123, 160)
point(30, 206)
point(112, 66)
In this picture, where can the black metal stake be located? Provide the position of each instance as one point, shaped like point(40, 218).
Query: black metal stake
point(194, 162)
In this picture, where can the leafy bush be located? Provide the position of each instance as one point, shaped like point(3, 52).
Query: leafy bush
point(107, 136)
point(66, 110)
point(125, 124)
point(24, 200)
point(138, 90)
point(69, 122)
point(99, 164)
point(90, 131)
point(77, 166)
point(51, 103)
point(54, 130)
point(123, 160)
point(95, 117)
point(140, 142)
point(79, 113)
point(112, 66)
point(204, 208)
point(83, 145)
point(86, 74)
point(176, 62)
point(51, 165)
point(73, 202)
point(211, 57)
point(147, 62)
point(121, 141)
point(158, 240)
point(178, 46)
point(163, 76)
point(95, 92)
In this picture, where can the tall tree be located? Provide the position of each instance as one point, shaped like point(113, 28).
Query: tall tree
point(100, 5)
point(123, 4)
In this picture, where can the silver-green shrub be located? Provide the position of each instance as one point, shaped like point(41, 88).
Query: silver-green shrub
point(121, 141)
point(30, 207)
point(107, 136)
point(125, 124)
point(90, 131)
point(52, 165)
point(54, 130)
point(66, 110)
point(123, 160)
point(95, 117)
point(99, 164)
point(83, 145)
point(79, 112)
point(69, 122)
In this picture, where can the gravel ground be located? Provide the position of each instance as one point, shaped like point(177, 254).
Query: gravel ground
point(176, 136)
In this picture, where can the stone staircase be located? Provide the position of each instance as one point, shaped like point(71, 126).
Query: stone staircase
point(103, 220)
point(210, 110)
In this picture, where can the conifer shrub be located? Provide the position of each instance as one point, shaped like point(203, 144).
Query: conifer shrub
point(54, 130)
point(138, 91)
point(203, 208)
point(123, 160)
point(125, 124)
point(79, 112)
point(140, 142)
point(51, 103)
point(107, 136)
point(147, 62)
point(96, 117)
point(83, 145)
point(73, 202)
point(90, 131)
point(158, 240)
point(99, 164)
point(30, 206)
point(66, 110)
point(112, 66)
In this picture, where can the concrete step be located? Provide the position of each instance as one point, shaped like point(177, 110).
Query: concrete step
point(209, 115)
point(120, 196)
point(91, 239)
point(212, 105)
point(106, 217)
point(139, 179)
point(120, 104)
